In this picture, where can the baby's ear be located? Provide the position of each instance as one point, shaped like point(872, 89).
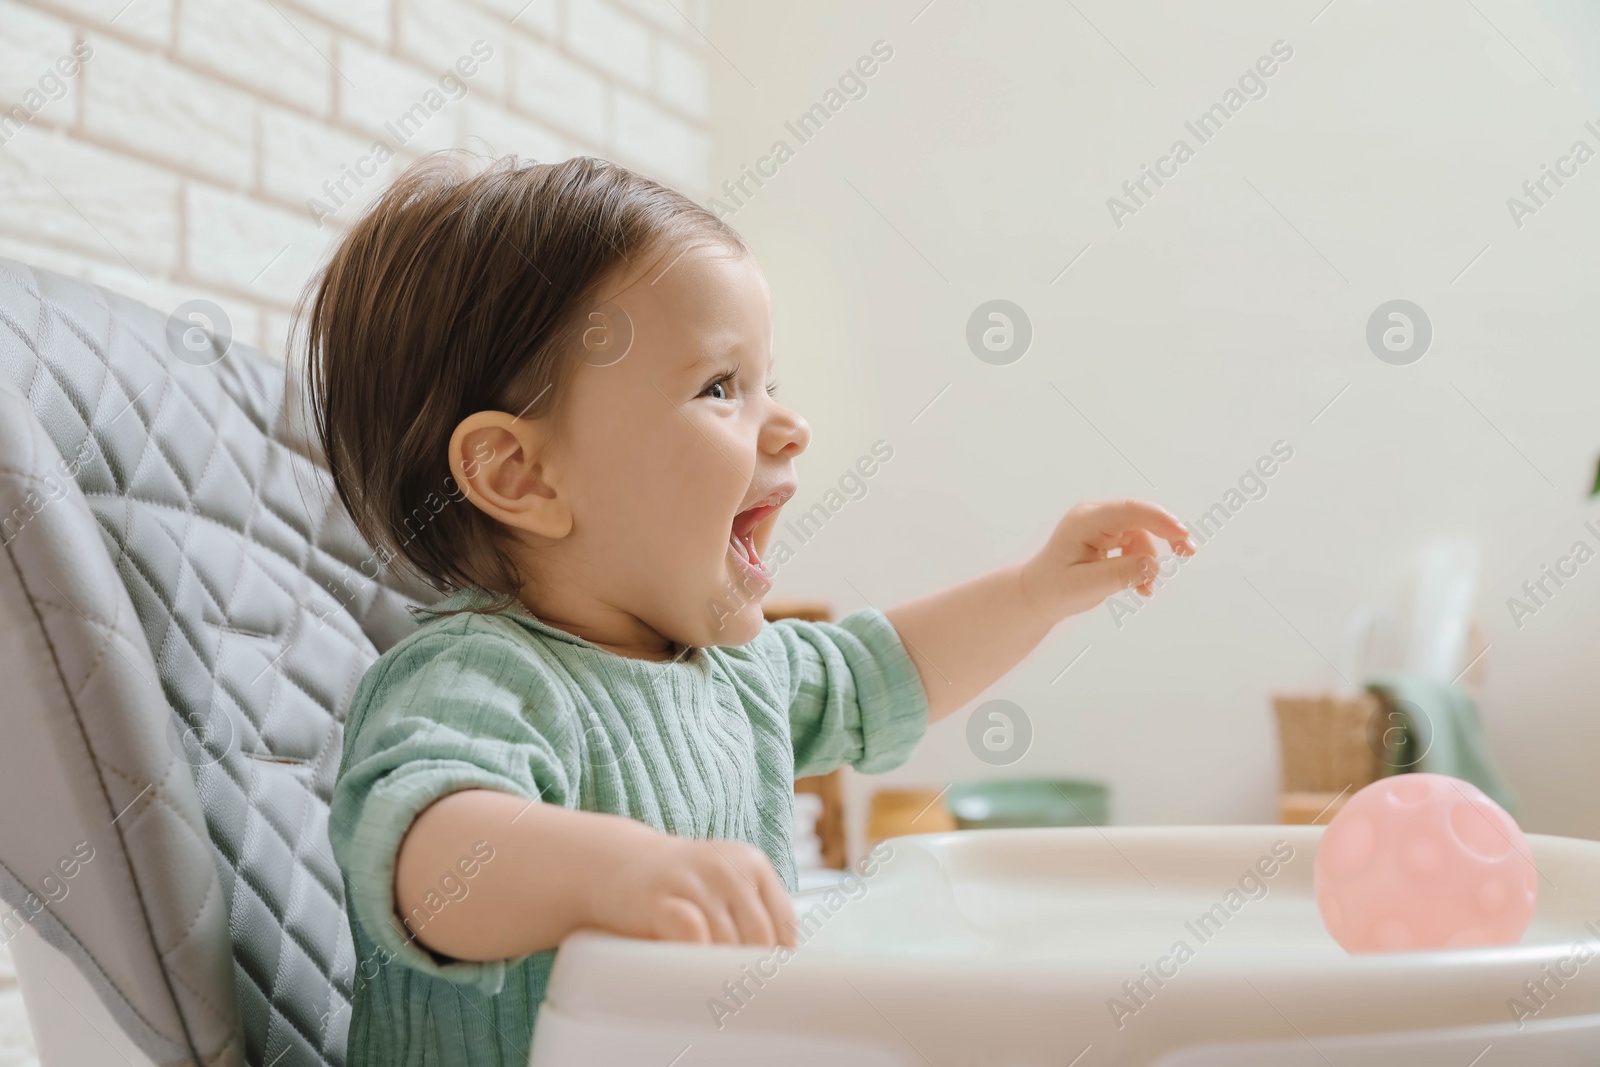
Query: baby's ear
point(501, 464)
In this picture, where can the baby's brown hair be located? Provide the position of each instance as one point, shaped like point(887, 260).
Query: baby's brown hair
point(457, 291)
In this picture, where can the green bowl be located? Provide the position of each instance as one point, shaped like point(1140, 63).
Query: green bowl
point(1011, 802)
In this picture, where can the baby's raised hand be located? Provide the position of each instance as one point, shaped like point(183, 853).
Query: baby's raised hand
point(1077, 568)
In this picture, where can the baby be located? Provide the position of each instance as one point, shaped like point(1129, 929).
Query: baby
point(548, 388)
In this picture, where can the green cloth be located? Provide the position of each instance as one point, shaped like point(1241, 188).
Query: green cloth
point(1438, 733)
point(707, 747)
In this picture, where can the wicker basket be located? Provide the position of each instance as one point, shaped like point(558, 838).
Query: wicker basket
point(1327, 744)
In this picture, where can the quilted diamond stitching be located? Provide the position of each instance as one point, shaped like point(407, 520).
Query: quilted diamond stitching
point(304, 547)
point(157, 797)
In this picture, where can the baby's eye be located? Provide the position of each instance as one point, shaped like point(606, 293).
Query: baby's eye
point(718, 389)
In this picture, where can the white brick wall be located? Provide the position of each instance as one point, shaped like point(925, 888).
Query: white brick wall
point(437, 33)
point(610, 40)
point(665, 144)
point(182, 157)
point(544, 82)
point(150, 107)
point(95, 202)
point(29, 43)
point(681, 80)
point(251, 42)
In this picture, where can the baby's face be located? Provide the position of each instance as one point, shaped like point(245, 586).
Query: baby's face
point(676, 458)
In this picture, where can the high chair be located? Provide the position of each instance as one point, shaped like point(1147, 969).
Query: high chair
point(1058, 947)
point(185, 610)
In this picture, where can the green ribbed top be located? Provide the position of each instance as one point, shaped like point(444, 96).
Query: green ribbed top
point(707, 747)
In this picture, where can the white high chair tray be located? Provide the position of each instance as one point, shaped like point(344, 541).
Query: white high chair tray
point(1012, 948)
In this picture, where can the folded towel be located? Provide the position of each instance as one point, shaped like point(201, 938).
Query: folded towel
point(1434, 727)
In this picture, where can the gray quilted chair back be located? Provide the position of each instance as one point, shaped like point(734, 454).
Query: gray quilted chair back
point(185, 611)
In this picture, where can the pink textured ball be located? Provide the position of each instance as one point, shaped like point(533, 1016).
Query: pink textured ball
point(1424, 861)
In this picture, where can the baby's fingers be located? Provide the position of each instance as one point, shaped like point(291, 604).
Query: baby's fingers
point(677, 919)
point(1117, 518)
point(778, 905)
point(1140, 545)
point(755, 896)
point(749, 912)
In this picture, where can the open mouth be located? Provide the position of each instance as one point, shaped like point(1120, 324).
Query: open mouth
point(742, 541)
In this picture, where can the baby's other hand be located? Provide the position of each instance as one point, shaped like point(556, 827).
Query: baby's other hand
point(677, 889)
point(1076, 569)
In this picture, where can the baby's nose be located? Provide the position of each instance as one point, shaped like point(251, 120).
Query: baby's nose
point(787, 433)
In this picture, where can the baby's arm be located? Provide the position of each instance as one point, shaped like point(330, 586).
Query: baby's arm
point(963, 639)
point(557, 870)
point(459, 743)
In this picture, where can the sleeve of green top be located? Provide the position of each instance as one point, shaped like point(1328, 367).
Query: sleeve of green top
point(429, 720)
point(854, 694)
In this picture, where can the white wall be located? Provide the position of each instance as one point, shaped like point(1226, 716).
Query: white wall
point(1222, 317)
point(182, 159)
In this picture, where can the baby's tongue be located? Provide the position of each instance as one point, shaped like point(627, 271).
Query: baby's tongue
point(745, 545)
point(744, 535)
